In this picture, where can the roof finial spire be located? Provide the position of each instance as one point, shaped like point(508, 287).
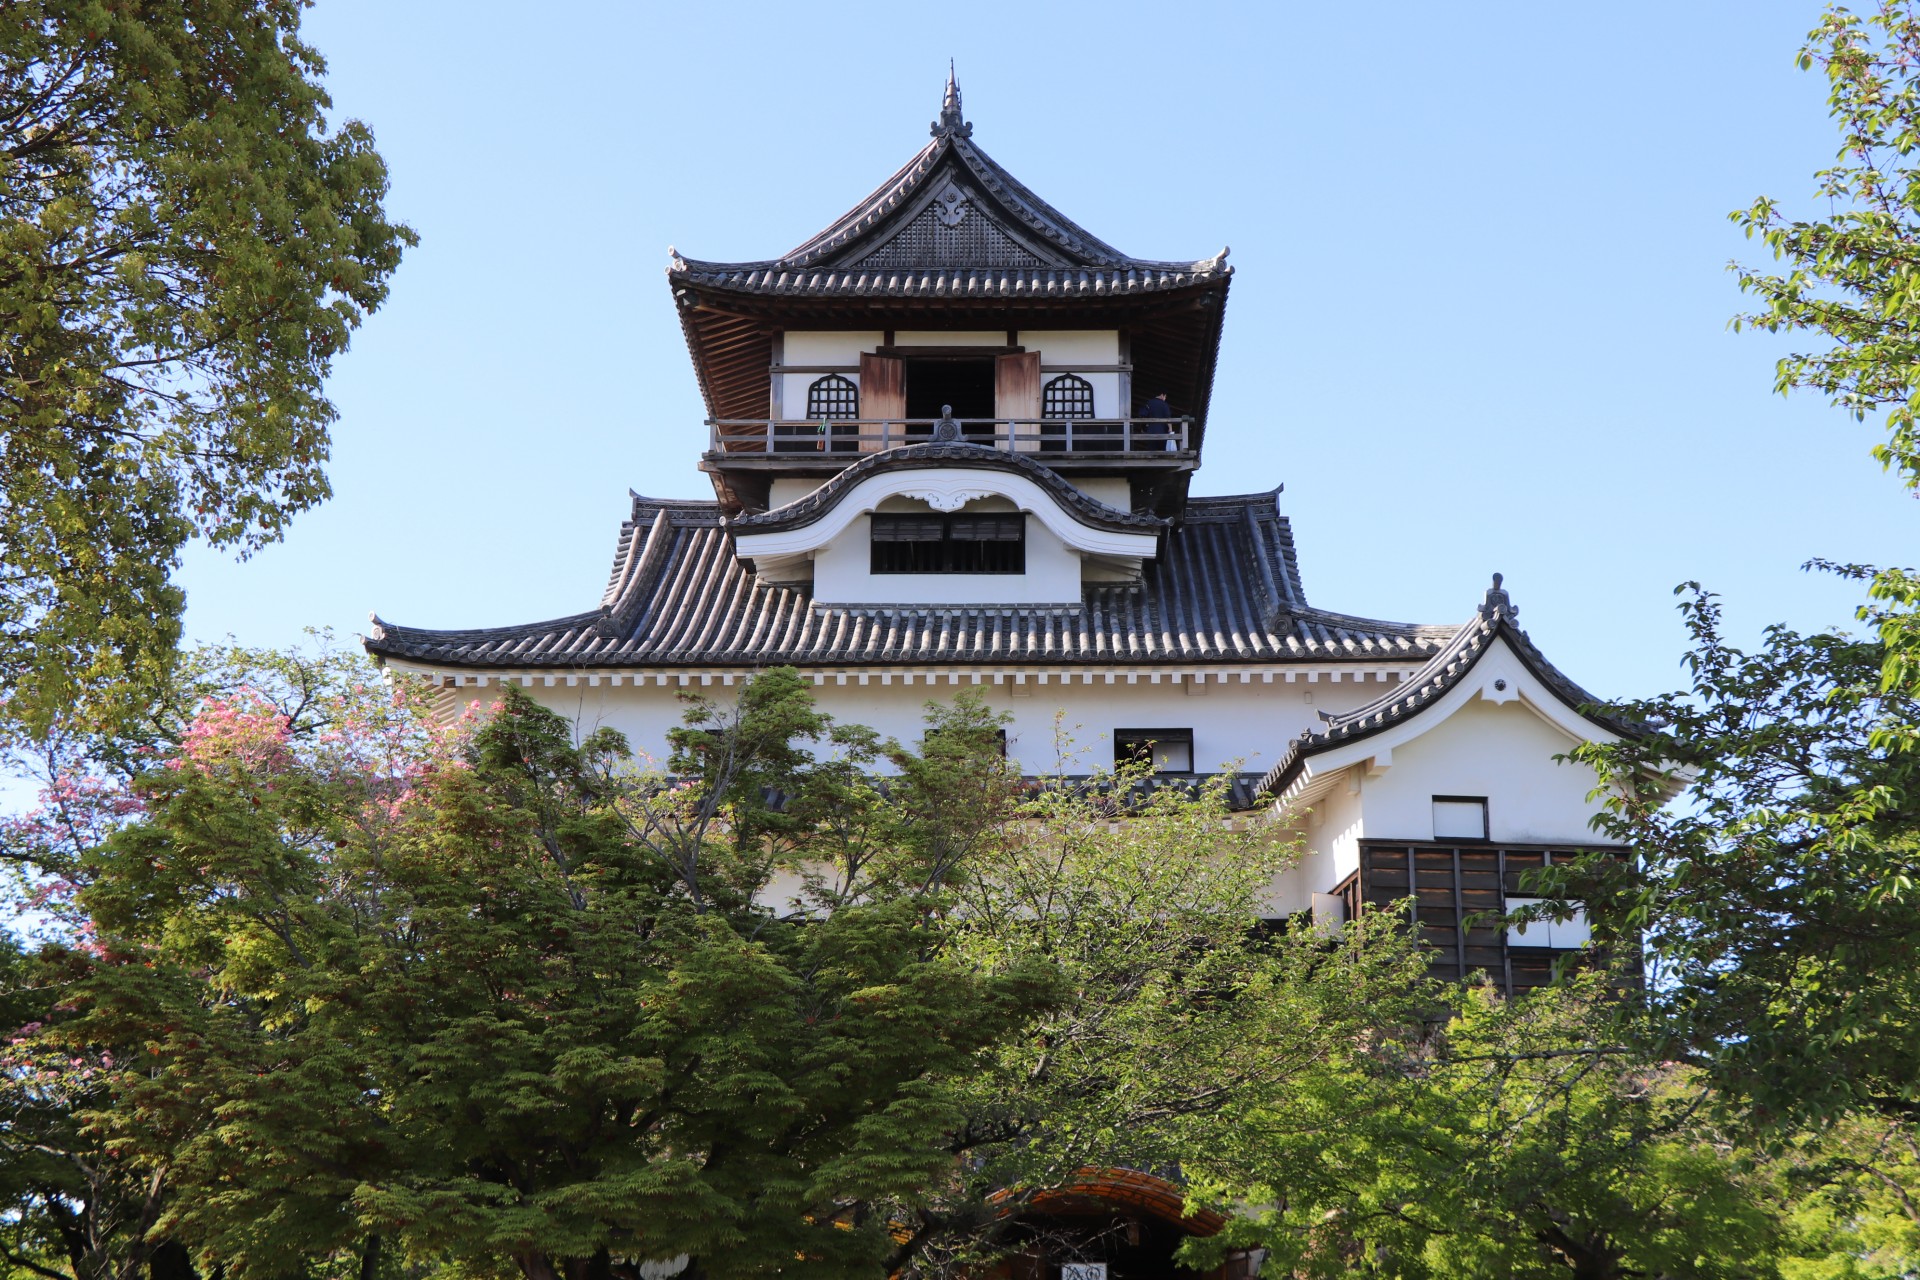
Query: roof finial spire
point(1497, 604)
point(951, 121)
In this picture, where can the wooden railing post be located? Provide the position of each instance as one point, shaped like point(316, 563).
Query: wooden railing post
point(1005, 433)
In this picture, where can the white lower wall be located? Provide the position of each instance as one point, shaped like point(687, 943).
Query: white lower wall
point(1330, 831)
point(1504, 752)
point(1245, 725)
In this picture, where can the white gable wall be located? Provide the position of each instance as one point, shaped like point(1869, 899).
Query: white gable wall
point(1501, 751)
point(1496, 734)
point(839, 543)
point(843, 572)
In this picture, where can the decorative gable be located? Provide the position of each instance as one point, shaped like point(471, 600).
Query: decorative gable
point(953, 230)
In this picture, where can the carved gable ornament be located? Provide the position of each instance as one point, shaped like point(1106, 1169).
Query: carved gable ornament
point(950, 204)
point(947, 499)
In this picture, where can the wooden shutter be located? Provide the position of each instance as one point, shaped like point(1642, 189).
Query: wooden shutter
point(883, 395)
point(1016, 394)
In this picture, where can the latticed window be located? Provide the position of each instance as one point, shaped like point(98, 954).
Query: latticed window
point(833, 397)
point(949, 544)
point(1067, 396)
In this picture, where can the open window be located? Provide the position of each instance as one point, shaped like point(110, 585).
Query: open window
point(949, 544)
point(1460, 818)
point(981, 385)
point(1168, 750)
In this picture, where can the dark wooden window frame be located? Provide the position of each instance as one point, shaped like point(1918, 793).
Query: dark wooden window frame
point(1067, 396)
point(949, 544)
point(1127, 743)
point(1486, 819)
point(833, 397)
point(1459, 890)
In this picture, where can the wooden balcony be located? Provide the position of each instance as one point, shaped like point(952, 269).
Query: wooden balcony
point(1121, 443)
point(1457, 893)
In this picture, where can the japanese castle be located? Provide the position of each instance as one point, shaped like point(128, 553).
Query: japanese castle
point(951, 443)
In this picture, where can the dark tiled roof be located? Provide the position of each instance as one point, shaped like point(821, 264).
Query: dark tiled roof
point(1225, 588)
point(1443, 671)
point(806, 510)
point(1010, 284)
point(1001, 240)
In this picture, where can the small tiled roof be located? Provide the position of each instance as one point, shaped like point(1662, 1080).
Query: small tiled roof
point(804, 511)
point(1224, 589)
point(1446, 669)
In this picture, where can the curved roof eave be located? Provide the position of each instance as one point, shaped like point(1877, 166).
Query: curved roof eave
point(1442, 673)
point(814, 506)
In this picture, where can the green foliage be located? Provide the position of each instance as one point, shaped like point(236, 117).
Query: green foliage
point(1175, 1008)
point(1521, 1141)
point(1852, 1209)
point(1851, 277)
point(515, 1005)
point(1778, 900)
point(185, 245)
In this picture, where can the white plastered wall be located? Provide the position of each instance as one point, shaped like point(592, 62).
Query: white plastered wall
point(1112, 490)
point(839, 544)
point(1062, 349)
point(1242, 725)
point(1059, 349)
point(1330, 833)
point(1502, 751)
point(815, 350)
point(1497, 735)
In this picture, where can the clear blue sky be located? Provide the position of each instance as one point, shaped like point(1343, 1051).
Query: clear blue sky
point(1479, 320)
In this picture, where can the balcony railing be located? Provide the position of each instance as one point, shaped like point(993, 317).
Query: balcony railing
point(1142, 438)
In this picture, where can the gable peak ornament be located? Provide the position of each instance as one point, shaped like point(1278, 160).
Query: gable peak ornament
point(951, 123)
point(1497, 604)
point(950, 204)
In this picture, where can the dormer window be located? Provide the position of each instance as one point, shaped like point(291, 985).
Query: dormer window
point(949, 544)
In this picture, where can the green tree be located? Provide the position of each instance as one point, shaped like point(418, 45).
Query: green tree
point(1778, 900)
point(1852, 276)
point(511, 1004)
point(1176, 1007)
point(1853, 1201)
point(1778, 896)
point(185, 245)
point(1520, 1141)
